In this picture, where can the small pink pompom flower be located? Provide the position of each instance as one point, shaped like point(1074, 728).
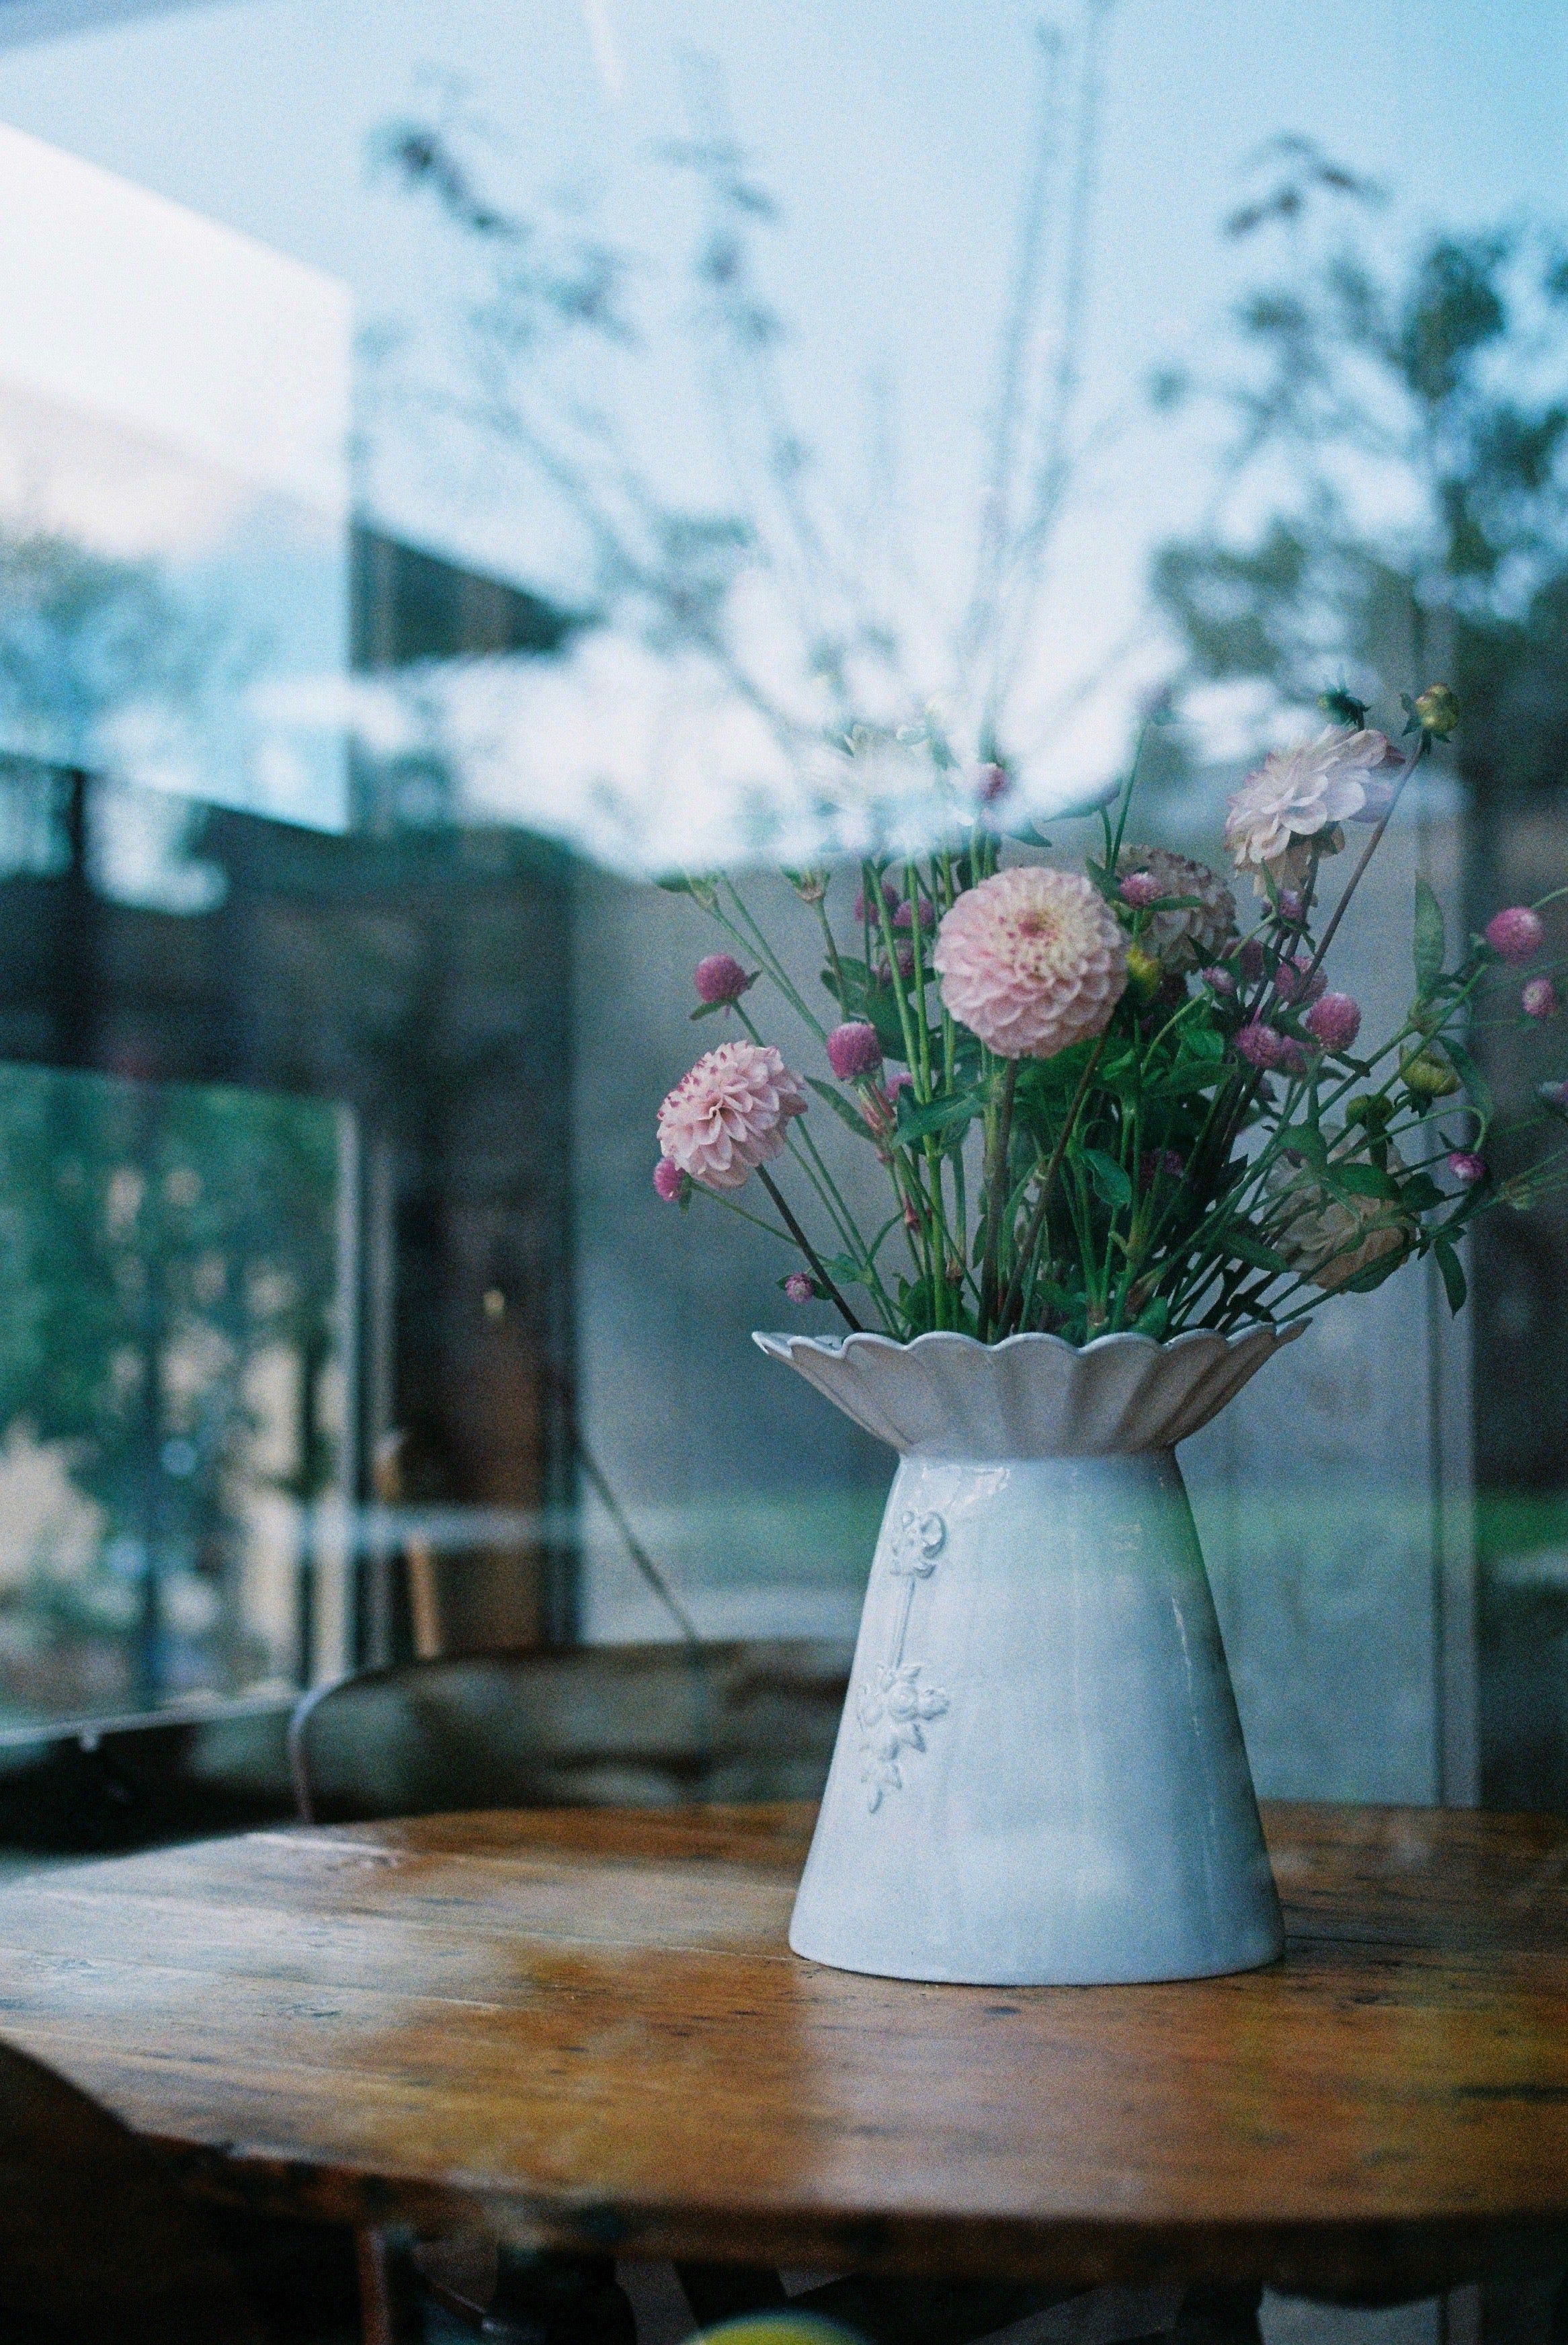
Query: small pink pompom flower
point(1220, 982)
point(721, 977)
point(669, 1181)
point(904, 914)
point(1292, 983)
point(1334, 1021)
point(1516, 933)
point(1140, 890)
point(1539, 999)
point(865, 907)
point(1031, 960)
point(1468, 1169)
point(729, 1112)
point(854, 1051)
point(1264, 1046)
point(799, 1288)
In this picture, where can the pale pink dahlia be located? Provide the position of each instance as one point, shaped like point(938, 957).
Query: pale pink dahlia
point(728, 1114)
point(1297, 798)
point(1031, 960)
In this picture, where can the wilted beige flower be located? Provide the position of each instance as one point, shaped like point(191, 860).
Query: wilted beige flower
point(1181, 940)
point(1297, 797)
point(1326, 1236)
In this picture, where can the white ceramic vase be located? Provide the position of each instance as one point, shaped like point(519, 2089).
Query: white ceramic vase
point(1039, 1778)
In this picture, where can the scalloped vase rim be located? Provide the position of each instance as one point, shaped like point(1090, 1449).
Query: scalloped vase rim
point(836, 1346)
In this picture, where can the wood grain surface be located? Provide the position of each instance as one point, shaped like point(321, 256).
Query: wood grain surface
point(587, 2029)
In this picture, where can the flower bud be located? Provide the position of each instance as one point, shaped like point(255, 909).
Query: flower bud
point(991, 782)
point(1468, 1169)
point(669, 1181)
point(1539, 999)
point(1220, 982)
point(1143, 971)
point(854, 1051)
point(1517, 934)
point(721, 977)
point(1553, 1098)
point(1428, 1077)
point(799, 1288)
point(811, 886)
point(1436, 711)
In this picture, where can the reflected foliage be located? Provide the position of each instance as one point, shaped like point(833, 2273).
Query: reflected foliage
point(168, 1272)
point(1403, 431)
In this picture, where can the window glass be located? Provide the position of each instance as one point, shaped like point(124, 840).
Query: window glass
point(518, 456)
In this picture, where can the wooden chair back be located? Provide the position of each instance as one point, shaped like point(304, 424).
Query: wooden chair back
point(580, 1726)
point(98, 2244)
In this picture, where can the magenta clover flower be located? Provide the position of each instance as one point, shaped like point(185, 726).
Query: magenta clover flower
point(1334, 1021)
point(854, 1051)
point(1263, 1046)
point(1516, 933)
point(721, 977)
point(1539, 999)
point(1468, 1169)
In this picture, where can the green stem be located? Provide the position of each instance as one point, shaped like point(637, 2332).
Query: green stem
point(998, 1139)
point(804, 1243)
point(1042, 1205)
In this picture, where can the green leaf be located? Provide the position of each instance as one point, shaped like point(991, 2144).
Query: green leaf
point(1452, 1269)
point(951, 1115)
point(1109, 1178)
point(1154, 1319)
point(1475, 1083)
point(1429, 942)
point(1250, 1249)
point(1203, 1042)
point(1420, 1195)
point(1361, 1181)
point(846, 1110)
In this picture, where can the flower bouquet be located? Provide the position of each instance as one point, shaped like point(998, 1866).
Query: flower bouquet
point(1102, 1103)
point(1131, 1137)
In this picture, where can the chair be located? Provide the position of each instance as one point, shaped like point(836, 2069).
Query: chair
point(98, 2244)
point(582, 1726)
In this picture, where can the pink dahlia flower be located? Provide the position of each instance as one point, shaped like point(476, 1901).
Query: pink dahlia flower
point(1334, 1021)
point(1031, 960)
point(1297, 799)
point(854, 1051)
point(1539, 999)
point(721, 977)
point(1517, 934)
point(727, 1115)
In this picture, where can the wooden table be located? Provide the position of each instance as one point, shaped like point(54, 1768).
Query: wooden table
point(589, 2028)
